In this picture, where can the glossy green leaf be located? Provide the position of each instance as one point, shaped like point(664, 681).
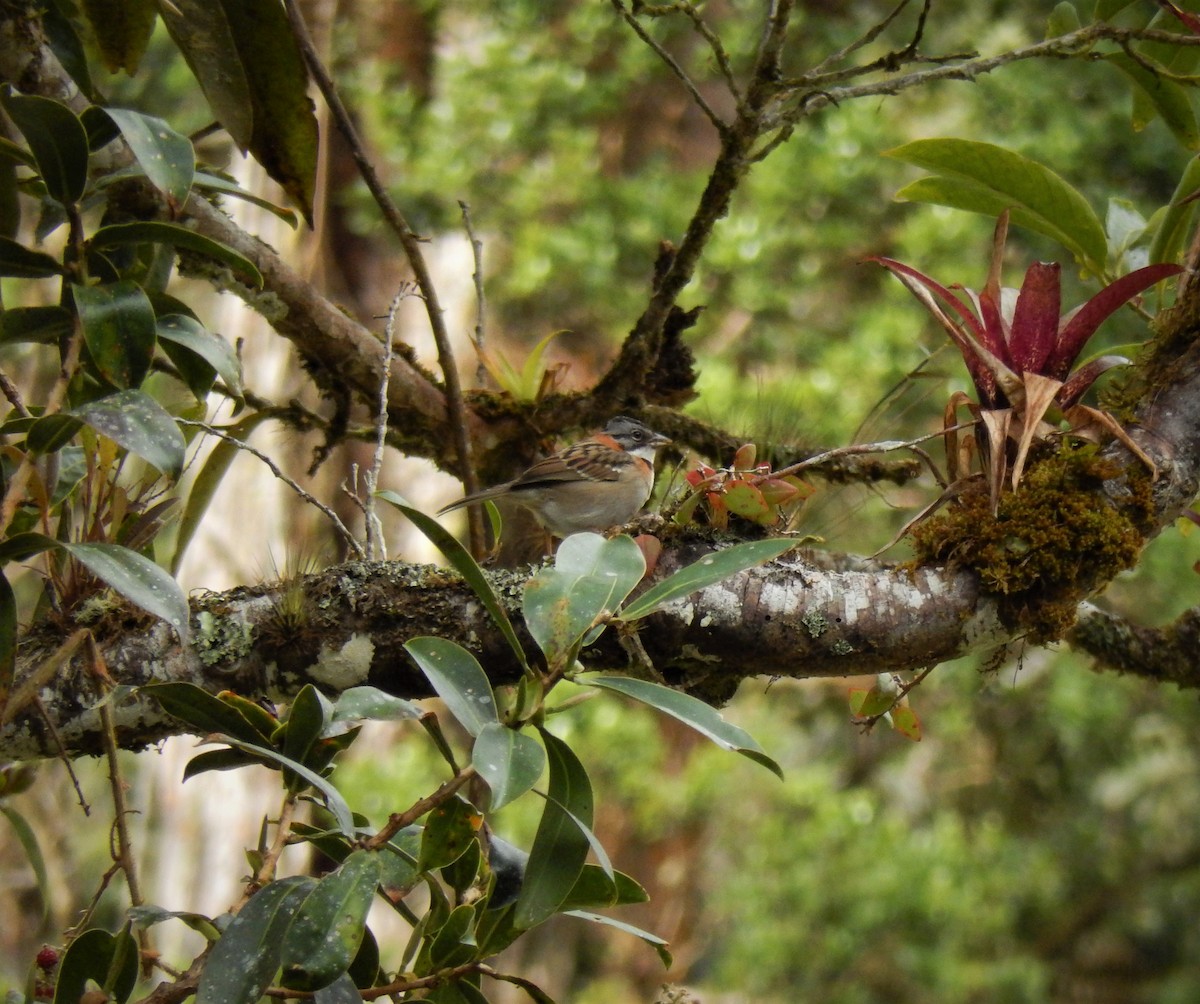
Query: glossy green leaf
point(174, 235)
point(166, 156)
point(118, 328)
point(138, 579)
point(33, 854)
point(136, 422)
point(559, 847)
point(206, 483)
point(341, 991)
point(122, 30)
point(596, 889)
point(51, 433)
point(450, 829)
point(198, 708)
point(41, 325)
point(1038, 197)
point(245, 960)
point(653, 940)
point(590, 578)
point(1170, 100)
point(453, 944)
point(334, 801)
point(212, 183)
point(708, 570)
point(303, 727)
point(325, 933)
point(692, 712)
point(147, 915)
point(458, 679)
point(20, 262)
point(107, 959)
point(511, 762)
point(284, 136)
point(464, 564)
point(57, 141)
point(201, 31)
point(371, 704)
point(222, 759)
point(178, 331)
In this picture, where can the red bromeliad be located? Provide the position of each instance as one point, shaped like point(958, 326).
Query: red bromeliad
point(1020, 352)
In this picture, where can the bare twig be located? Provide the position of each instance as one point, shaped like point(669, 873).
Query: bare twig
point(410, 242)
point(480, 301)
point(9, 389)
point(714, 43)
point(718, 123)
point(333, 517)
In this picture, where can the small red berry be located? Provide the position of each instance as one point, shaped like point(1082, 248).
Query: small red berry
point(47, 958)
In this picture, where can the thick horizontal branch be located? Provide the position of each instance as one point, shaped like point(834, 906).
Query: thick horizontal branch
point(346, 627)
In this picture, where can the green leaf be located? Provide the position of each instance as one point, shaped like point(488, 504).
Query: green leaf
point(148, 915)
point(122, 30)
point(138, 579)
point(244, 962)
point(201, 31)
point(450, 829)
point(176, 236)
point(201, 710)
point(1039, 198)
point(42, 325)
point(222, 759)
point(703, 573)
point(166, 156)
point(208, 183)
point(653, 940)
point(590, 578)
point(369, 703)
point(57, 141)
point(29, 844)
point(19, 262)
point(51, 433)
point(1169, 99)
point(692, 712)
point(596, 888)
point(511, 762)
point(453, 944)
point(303, 727)
point(136, 422)
point(464, 564)
point(458, 679)
point(284, 136)
point(327, 930)
point(559, 847)
point(118, 328)
point(180, 335)
point(341, 991)
point(334, 801)
point(99, 956)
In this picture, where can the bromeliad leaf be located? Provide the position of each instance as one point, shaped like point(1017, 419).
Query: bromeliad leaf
point(705, 720)
point(703, 573)
point(458, 679)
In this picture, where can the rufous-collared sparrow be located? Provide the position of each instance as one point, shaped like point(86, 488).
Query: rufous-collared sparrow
point(595, 484)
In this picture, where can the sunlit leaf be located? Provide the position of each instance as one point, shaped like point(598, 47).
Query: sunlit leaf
point(703, 573)
point(166, 156)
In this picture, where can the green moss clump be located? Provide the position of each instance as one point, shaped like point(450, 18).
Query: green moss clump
point(1051, 543)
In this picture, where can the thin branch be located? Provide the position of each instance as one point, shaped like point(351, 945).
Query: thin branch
point(333, 517)
point(866, 39)
point(718, 50)
point(398, 820)
point(9, 389)
point(455, 406)
point(718, 123)
point(480, 301)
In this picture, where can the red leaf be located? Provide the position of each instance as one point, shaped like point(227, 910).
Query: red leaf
point(1035, 319)
point(743, 460)
point(1091, 315)
point(1083, 378)
point(1191, 21)
point(905, 721)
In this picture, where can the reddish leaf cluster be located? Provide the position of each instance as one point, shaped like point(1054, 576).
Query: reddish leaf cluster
point(744, 489)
